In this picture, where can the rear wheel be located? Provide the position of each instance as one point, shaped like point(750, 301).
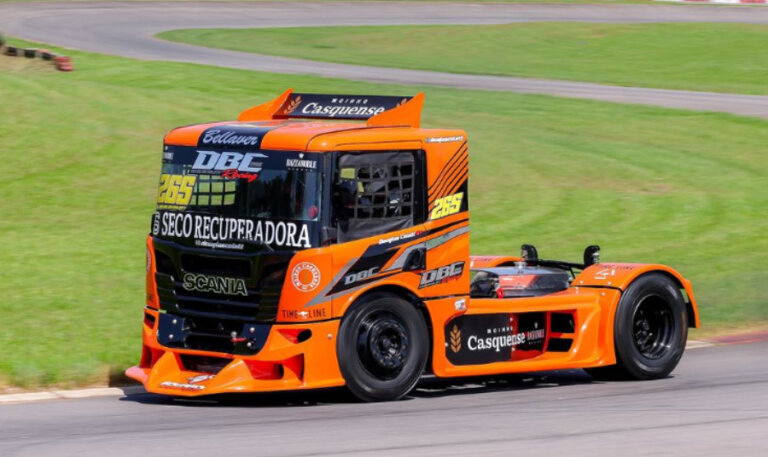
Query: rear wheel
point(382, 348)
point(650, 330)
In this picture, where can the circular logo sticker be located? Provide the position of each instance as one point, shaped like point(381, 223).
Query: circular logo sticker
point(305, 276)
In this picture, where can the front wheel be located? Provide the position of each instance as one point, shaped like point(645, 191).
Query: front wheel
point(382, 348)
point(650, 330)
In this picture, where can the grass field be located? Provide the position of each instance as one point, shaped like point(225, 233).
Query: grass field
point(708, 57)
point(81, 156)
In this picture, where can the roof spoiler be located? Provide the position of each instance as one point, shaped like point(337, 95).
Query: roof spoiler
point(376, 110)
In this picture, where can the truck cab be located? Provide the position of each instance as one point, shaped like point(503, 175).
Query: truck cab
point(296, 248)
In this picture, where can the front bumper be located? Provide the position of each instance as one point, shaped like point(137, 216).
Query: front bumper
point(294, 357)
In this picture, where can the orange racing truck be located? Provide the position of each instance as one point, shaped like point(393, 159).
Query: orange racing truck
point(295, 249)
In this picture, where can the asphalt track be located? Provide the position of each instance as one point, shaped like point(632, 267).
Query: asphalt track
point(128, 29)
point(716, 404)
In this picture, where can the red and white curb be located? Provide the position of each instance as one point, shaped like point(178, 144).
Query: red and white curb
point(719, 2)
point(68, 394)
point(698, 344)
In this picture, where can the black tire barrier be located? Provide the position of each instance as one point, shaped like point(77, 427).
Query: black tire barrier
point(62, 63)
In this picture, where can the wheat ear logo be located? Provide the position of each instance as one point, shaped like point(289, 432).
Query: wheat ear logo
point(293, 105)
point(455, 339)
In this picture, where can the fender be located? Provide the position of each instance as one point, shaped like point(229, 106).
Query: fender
point(342, 303)
point(620, 276)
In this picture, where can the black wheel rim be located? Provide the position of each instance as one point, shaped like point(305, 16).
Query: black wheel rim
point(383, 344)
point(653, 327)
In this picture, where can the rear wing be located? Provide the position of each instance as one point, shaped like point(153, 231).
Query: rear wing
point(376, 110)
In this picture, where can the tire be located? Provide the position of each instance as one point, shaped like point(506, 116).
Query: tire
point(650, 330)
point(382, 348)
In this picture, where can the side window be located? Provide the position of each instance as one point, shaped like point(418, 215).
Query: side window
point(375, 193)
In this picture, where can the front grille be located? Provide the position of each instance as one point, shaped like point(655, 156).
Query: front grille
point(164, 264)
point(223, 321)
point(221, 266)
point(204, 304)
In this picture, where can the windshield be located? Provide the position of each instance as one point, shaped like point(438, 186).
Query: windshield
point(233, 200)
point(278, 185)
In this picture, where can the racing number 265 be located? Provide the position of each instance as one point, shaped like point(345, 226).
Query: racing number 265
point(176, 189)
point(446, 206)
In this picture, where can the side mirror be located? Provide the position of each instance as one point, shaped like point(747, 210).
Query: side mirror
point(529, 253)
point(591, 255)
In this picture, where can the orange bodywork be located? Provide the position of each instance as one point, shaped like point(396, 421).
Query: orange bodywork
point(300, 349)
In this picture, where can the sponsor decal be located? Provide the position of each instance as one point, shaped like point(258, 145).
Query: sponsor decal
point(302, 163)
point(168, 156)
point(487, 338)
point(441, 275)
point(305, 277)
point(216, 284)
point(232, 173)
point(475, 343)
point(611, 269)
point(181, 386)
point(605, 273)
point(371, 262)
point(227, 137)
point(455, 339)
point(618, 266)
point(340, 107)
point(311, 313)
point(175, 191)
point(216, 231)
point(447, 206)
point(445, 139)
point(360, 275)
point(403, 237)
point(211, 161)
point(320, 110)
point(217, 245)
